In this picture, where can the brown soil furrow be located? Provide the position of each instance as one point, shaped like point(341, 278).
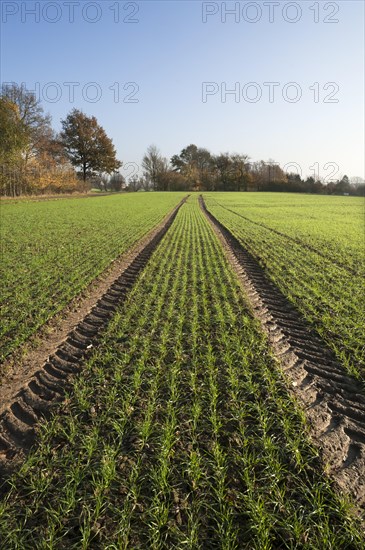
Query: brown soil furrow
point(60, 362)
point(39, 405)
point(24, 413)
point(333, 400)
point(38, 393)
point(18, 432)
point(54, 371)
point(40, 390)
point(356, 435)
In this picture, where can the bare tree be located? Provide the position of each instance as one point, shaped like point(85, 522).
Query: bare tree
point(116, 182)
point(155, 167)
point(135, 183)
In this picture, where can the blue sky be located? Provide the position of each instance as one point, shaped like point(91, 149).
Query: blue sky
point(166, 54)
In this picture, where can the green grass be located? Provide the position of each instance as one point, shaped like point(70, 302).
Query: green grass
point(313, 248)
point(180, 432)
point(51, 250)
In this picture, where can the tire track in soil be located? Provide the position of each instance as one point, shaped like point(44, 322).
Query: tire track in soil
point(46, 388)
point(334, 402)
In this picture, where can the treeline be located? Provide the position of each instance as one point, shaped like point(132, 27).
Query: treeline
point(197, 169)
point(34, 159)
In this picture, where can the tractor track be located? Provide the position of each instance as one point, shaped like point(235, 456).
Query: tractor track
point(45, 389)
point(334, 401)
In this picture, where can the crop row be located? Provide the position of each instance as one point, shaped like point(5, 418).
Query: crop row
point(180, 432)
point(326, 289)
point(332, 226)
point(52, 250)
